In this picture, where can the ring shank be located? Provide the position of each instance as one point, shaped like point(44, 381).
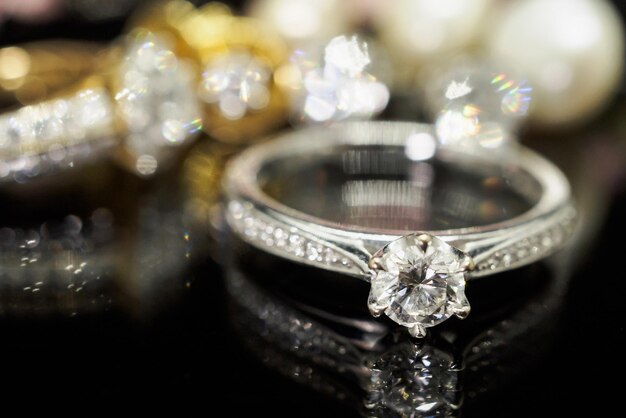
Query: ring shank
point(271, 225)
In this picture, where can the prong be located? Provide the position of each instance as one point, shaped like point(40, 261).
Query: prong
point(424, 241)
point(468, 264)
point(463, 312)
point(374, 311)
point(376, 263)
point(456, 366)
point(417, 331)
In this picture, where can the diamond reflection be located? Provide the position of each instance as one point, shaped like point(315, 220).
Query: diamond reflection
point(238, 83)
point(303, 333)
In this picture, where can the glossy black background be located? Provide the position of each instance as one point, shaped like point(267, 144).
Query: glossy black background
point(187, 354)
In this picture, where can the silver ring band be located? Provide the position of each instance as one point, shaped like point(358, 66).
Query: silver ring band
point(486, 249)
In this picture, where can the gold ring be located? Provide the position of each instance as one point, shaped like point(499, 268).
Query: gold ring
point(139, 91)
point(148, 94)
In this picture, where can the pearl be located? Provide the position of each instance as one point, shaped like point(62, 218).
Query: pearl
point(420, 29)
point(571, 52)
point(304, 20)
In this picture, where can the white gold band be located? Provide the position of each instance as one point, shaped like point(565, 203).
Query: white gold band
point(281, 230)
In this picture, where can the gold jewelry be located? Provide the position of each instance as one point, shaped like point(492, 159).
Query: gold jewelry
point(238, 57)
point(148, 94)
point(140, 92)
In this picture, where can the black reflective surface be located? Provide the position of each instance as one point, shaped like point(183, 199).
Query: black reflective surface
point(329, 343)
point(152, 321)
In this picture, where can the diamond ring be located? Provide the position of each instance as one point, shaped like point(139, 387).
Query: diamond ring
point(383, 202)
point(140, 103)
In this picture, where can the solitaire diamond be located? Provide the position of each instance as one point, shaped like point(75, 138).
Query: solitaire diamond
point(419, 281)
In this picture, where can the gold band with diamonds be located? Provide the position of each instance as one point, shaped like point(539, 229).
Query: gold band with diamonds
point(147, 95)
point(112, 109)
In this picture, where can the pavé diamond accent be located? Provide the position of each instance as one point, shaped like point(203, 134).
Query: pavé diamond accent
point(291, 241)
point(418, 281)
point(274, 237)
point(534, 246)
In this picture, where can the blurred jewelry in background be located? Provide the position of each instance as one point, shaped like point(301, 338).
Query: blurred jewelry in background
point(237, 58)
point(557, 46)
point(476, 105)
point(139, 101)
point(30, 10)
point(423, 32)
point(156, 101)
point(251, 81)
point(571, 52)
point(48, 133)
point(334, 84)
point(304, 21)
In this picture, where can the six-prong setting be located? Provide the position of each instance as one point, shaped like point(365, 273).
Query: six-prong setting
point(418, 281)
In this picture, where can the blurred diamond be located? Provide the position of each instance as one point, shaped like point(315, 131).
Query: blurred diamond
point(349, 56)
point(237, 82)
point(476, 107)
point(335, 85)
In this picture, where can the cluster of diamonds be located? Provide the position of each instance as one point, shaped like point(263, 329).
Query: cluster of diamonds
point(157, 101)
point(340, 88)
point(237, 83)
point(49, 133)
point(254, 228)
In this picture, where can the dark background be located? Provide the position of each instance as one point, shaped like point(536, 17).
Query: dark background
point(185, 351)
